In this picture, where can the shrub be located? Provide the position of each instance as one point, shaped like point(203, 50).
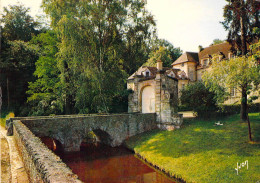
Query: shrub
point(196, 96)
point(235, 108)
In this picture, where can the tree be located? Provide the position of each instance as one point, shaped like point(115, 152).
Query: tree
point(217, 41)
point(16, 68)
point(163, 50)
point(199, 98)
point(241, 73)
point(18, 24)
point(44, 95)
point(17, 55)
point(161, 54)
point(174, 53)
point(101, 43)
point(240, 18)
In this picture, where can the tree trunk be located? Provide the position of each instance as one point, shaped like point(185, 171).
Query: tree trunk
point(68, 105)
point(256, 7)
point(243, 109)
point(8, 93)
point(242, 29)
point(1, 102)
point(249, 129)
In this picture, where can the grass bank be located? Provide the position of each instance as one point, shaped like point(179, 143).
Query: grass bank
point(203, 152)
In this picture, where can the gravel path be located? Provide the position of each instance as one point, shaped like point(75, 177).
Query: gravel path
point(5, 161)
point(12, 167)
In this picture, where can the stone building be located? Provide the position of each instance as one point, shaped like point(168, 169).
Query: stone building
point(194, 64)
point(155, 90)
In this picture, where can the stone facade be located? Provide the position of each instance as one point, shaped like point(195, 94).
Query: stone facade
point(163, 93)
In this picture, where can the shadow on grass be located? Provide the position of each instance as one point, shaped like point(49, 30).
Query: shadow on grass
point(198, 136)
point(211, 150)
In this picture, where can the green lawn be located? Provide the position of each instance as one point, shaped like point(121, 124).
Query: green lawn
point(203, 152)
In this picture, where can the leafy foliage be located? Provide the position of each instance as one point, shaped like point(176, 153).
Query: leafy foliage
point(241, 73)
point(161, 54)
point(163, 50)
point(18, 25)
point(17, 67)
point(237, 73)
point(174, 52)
point(240, 18)
point(199, 98)
point(44, 96)
point(102, 42)
point(17, 56)
point(217, 41)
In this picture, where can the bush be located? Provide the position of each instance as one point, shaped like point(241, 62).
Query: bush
point(235, 108)
point(197, 97)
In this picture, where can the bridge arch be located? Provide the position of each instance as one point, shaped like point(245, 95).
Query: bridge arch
point(52, 143)
point(97, 136)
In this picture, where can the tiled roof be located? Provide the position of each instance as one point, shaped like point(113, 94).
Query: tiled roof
point(187, 57)
point(222, 48)
point(153, 71)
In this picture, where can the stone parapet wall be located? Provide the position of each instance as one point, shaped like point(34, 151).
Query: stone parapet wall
point(71, 131)
point(41, 164)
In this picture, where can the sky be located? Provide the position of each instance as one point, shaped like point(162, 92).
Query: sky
point(185, 23)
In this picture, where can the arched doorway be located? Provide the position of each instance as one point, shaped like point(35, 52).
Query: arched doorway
point(148, 100)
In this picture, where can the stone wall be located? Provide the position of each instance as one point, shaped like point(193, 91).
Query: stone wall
point(41, 164)
point(71, 131)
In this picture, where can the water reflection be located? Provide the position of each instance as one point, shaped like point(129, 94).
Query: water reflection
point(103, 164)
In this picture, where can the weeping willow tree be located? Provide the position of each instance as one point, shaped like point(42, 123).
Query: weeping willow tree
point(102, 42)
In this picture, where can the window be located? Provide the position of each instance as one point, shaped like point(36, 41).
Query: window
point(147, 74)
point(205, 62)
point(171, 74)
point(182, 64)
point(191, 75)
point(199, 77)
point(230, 55)
point(232, 92)
point(183, 86)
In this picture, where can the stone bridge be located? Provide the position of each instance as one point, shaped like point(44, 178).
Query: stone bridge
point(70, 131)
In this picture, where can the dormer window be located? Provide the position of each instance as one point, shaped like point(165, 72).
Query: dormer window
point(205, 62)
point(147, 74)
point(230, 55)
point(171, 74)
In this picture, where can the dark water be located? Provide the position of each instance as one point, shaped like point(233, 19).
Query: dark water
point(104, 164)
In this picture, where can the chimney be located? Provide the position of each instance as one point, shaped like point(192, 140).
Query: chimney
point(200, 48)
point(159, 65)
